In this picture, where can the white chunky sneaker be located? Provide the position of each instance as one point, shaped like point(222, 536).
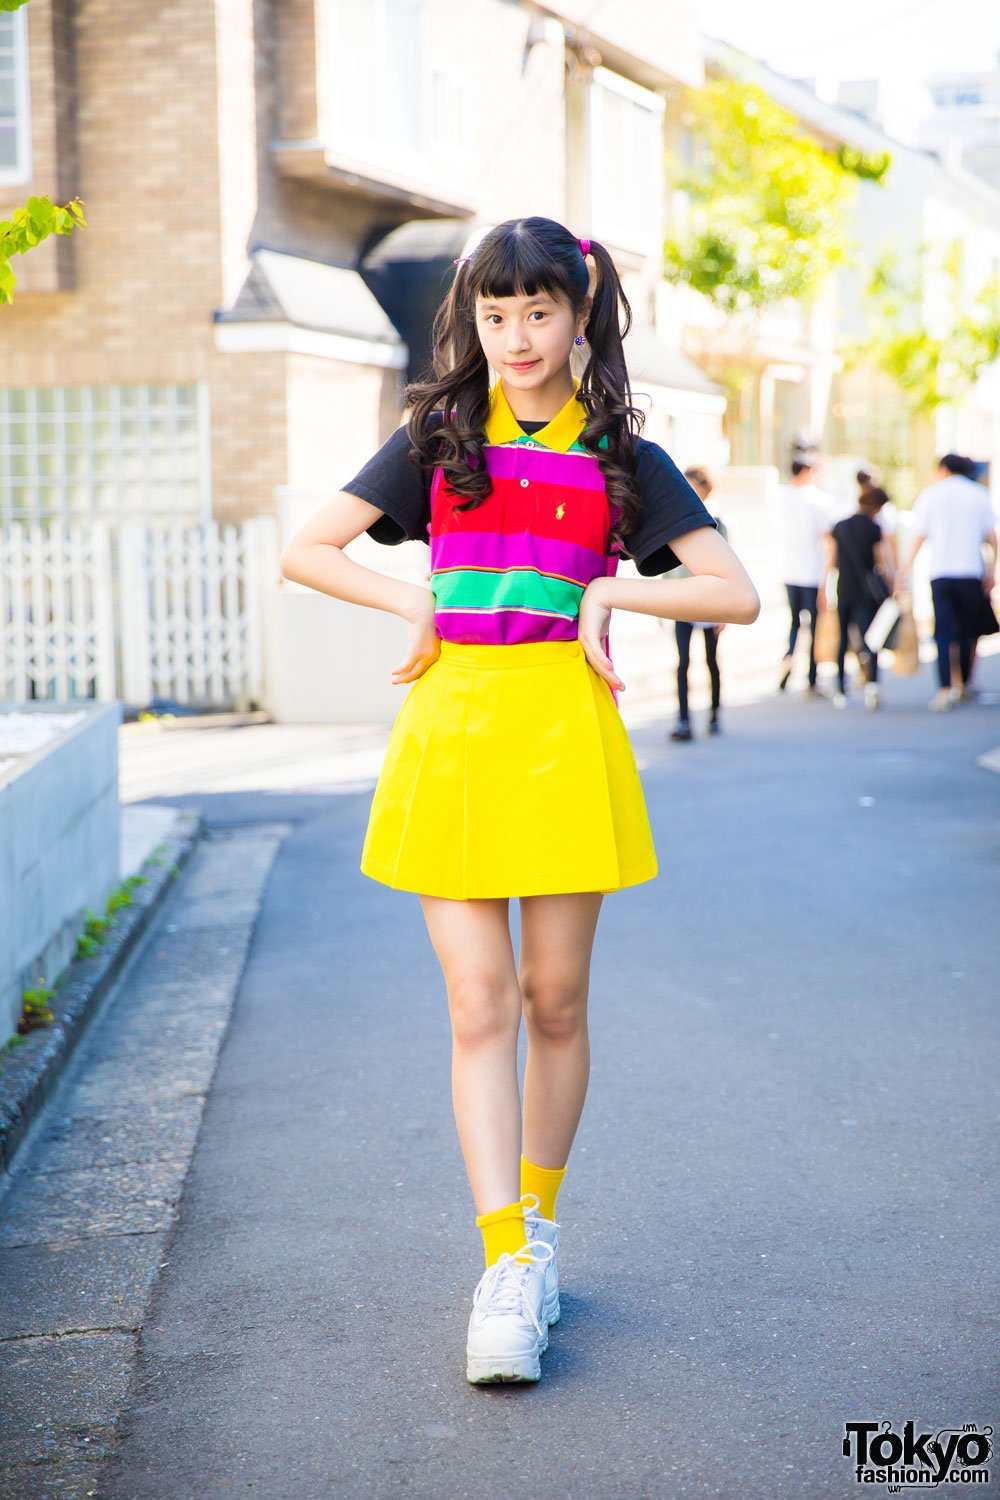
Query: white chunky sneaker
point(507, 1328)
point(544, 1231)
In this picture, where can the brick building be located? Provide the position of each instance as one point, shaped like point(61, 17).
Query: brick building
point(259, 180)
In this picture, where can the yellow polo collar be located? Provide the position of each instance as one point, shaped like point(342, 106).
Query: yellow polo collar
point(559, 435)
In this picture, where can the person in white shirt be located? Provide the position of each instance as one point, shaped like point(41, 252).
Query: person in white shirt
point(955, 518)
point(804, 520)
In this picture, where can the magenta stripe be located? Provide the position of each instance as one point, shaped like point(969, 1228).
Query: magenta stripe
point(493, 549)
point(508, 627)
point(571, 470)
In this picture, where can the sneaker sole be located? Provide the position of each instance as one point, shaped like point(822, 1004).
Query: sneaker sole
point(481, 1370)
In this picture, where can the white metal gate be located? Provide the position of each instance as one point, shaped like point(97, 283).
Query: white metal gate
point(167, 611)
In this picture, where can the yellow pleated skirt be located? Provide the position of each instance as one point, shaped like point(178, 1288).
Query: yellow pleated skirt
point(509, 772)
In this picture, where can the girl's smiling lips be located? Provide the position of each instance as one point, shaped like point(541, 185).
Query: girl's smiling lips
point(521, 364)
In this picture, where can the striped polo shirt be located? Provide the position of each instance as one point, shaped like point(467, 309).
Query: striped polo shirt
point(514, 569)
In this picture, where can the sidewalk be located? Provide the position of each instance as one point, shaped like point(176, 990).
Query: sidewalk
point(85, 1224)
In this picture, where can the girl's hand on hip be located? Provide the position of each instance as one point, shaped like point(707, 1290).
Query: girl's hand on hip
point(595, 616)
point(423, 645)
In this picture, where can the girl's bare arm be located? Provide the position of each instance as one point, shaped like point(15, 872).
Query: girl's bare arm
point(315, 557)
point(720, 590)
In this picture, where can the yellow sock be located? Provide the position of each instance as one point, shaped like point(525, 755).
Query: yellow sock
point(544, 1182)
point(503, 1230)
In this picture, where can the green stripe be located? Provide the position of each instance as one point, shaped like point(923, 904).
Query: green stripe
point(532, 442)
point(515, 589)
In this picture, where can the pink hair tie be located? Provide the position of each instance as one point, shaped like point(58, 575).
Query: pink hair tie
point(461, 259)
point(584, 247)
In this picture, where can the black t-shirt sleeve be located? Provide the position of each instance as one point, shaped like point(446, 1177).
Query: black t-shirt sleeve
point(670, 508)
point(398, 488)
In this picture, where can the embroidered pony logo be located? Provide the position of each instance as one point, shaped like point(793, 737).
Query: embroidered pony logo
point(560, 512)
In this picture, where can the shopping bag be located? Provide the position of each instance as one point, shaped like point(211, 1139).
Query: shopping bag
point(880, 633)
point(906, 651)
point(827, 635)
point(986, 621)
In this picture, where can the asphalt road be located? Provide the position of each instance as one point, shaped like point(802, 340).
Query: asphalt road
point(781, 1211)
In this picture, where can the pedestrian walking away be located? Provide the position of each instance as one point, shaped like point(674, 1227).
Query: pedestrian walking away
point(804, 520)
point(857, 550)
point(869, 479)
point(955, 518)
point(509, 772)
point(701, 482)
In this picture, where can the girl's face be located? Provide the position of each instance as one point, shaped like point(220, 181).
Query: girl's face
point(528, 340)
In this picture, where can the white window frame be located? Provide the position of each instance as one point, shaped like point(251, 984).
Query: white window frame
point(374, 147)
point(438, 148)
point(606, 221)
point(21, 170)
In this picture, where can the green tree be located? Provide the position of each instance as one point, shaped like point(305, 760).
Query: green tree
point(930, 331)
point(768, 202)
point(12, 4)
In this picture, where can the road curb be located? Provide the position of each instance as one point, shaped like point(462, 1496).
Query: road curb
point(30, 1071)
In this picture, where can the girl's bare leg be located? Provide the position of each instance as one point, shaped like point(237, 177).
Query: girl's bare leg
point(557, 938)
point(473, 946)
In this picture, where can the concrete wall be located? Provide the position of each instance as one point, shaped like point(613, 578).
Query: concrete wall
point(328, 662)
point(59, 848)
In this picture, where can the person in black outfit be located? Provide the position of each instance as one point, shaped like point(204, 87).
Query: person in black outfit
point(856, 550)
point(701, 483)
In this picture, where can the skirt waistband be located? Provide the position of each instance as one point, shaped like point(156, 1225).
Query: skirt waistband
point(523, 654)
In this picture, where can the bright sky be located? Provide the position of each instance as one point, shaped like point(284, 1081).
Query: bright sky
point(898, 40)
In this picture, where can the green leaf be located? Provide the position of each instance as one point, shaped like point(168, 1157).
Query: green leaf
point(29, 226)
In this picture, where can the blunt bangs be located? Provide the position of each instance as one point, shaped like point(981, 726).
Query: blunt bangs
point(519, 265)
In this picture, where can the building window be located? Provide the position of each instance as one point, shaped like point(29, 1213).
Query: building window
point(391, 105)
point(375, 109)
point(15, 135)
point(622, 157)
point(111, 452)
point(957, 96)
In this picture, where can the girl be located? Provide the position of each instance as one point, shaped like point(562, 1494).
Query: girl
point(508, 771)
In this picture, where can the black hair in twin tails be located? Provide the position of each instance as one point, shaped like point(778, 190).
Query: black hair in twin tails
point(521, 258)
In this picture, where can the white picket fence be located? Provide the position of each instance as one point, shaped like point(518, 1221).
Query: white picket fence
point(56, 612)
point(159, 610)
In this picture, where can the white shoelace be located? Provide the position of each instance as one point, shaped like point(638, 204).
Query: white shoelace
point(531, 1206)
point(503, 1287)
